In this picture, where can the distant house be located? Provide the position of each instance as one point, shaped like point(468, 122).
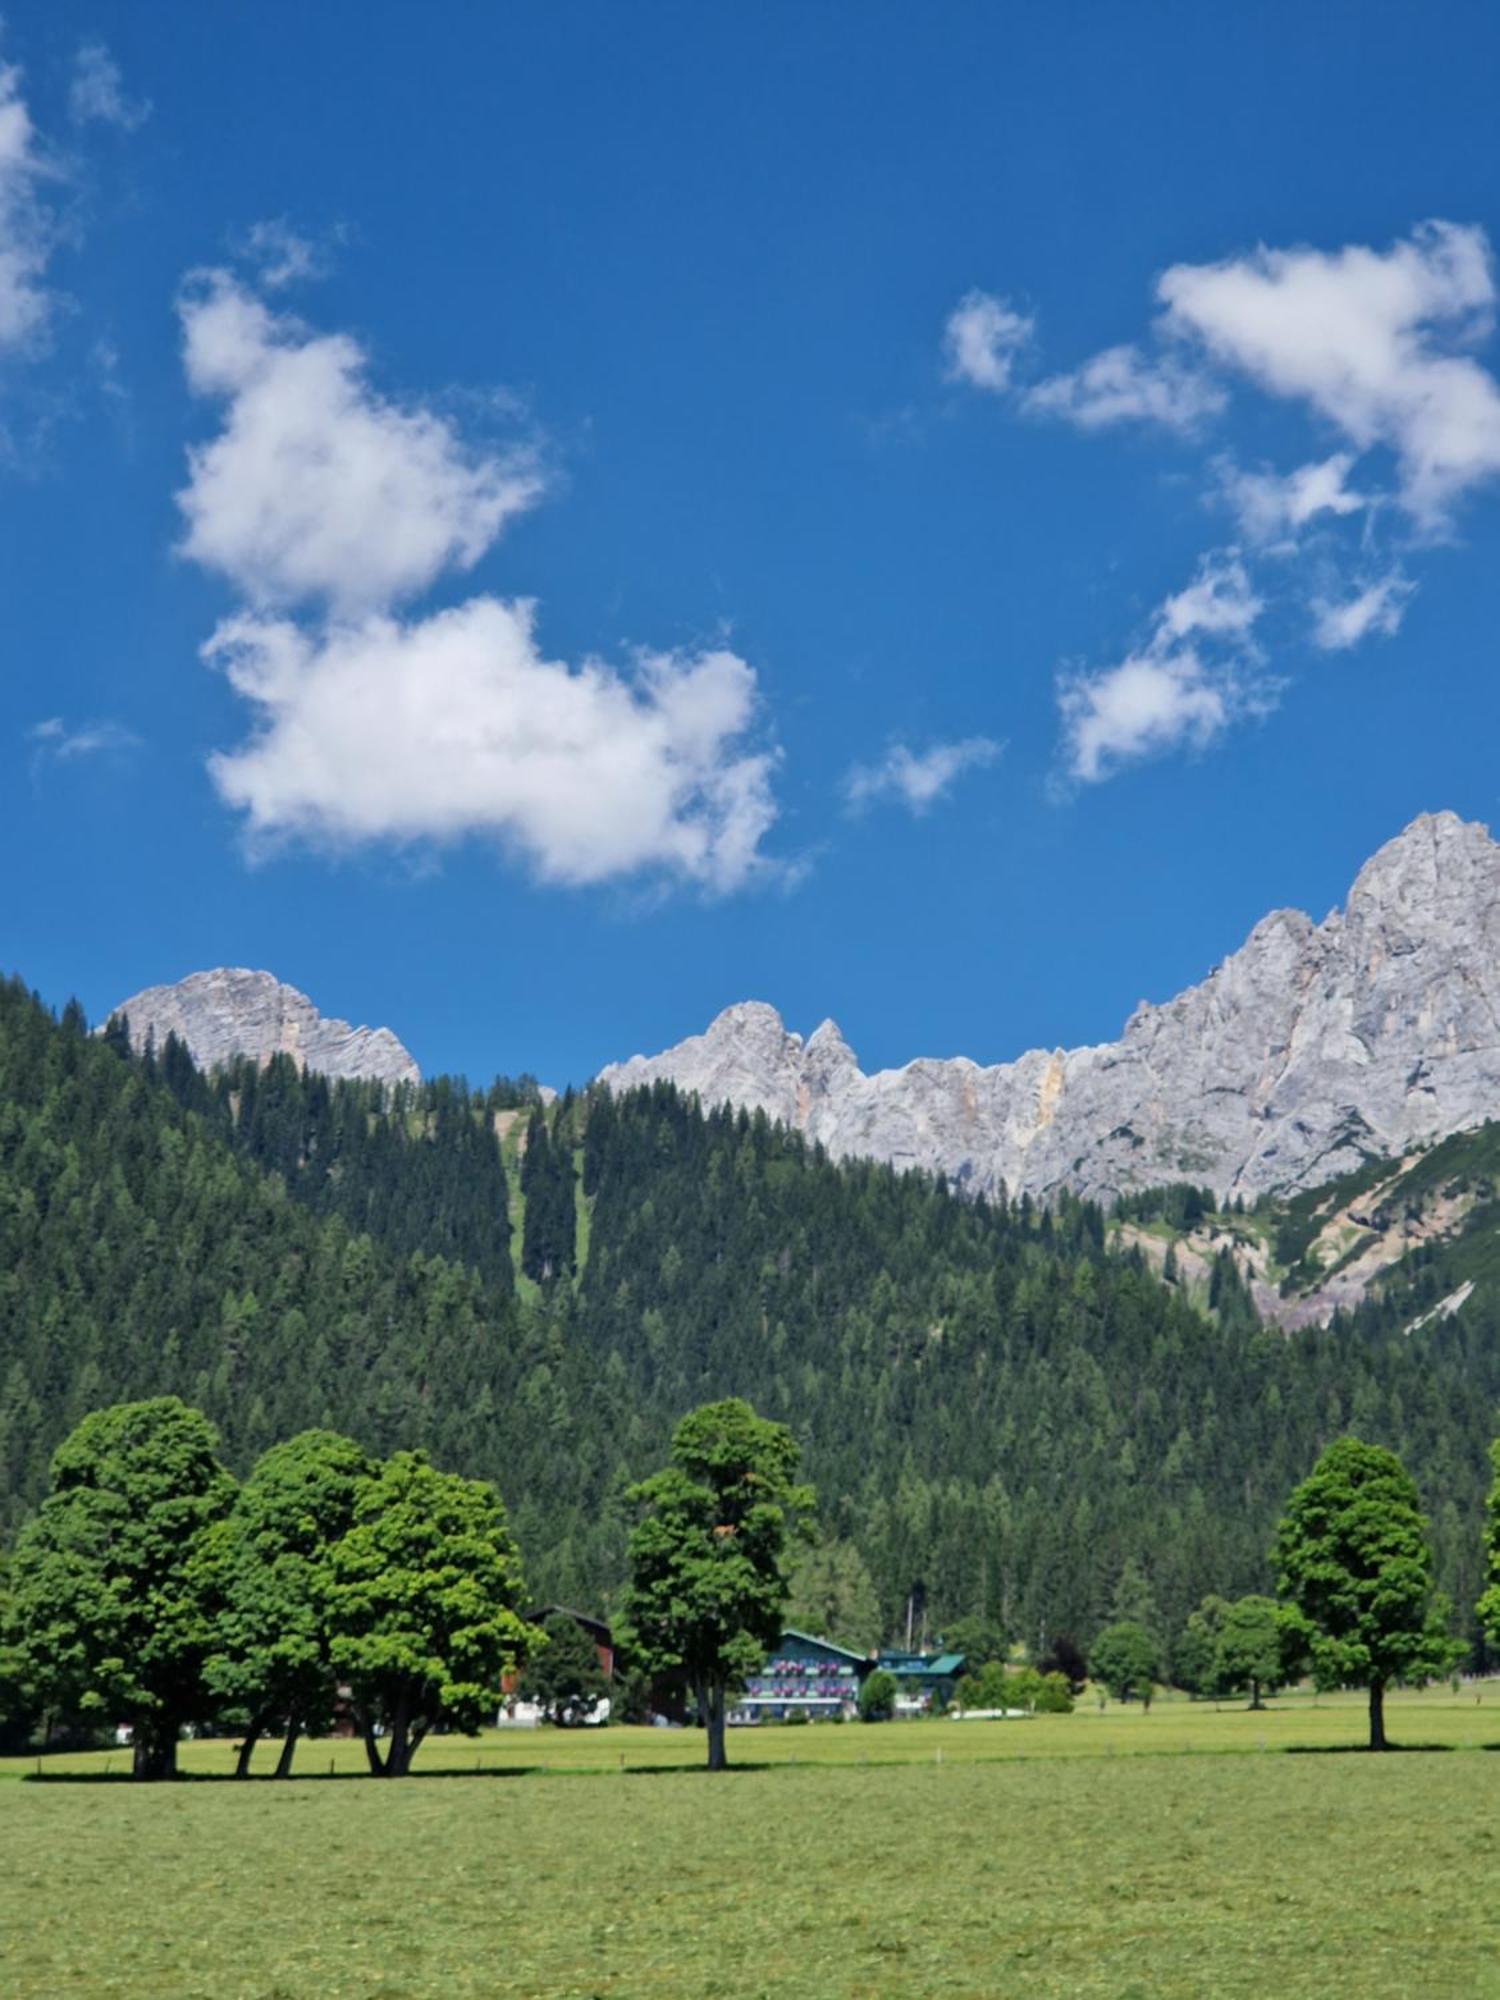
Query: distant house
point(923, 1680)
point(596, 1628)
point(803, 1676)
point(525, 1714)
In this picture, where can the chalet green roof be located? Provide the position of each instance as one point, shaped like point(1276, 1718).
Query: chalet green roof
point(944, 1667)
point(812, 1639)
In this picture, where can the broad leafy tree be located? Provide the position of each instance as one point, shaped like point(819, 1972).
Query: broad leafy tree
point(1195, 1656)
point(1251, 1650)
point(707, 1589)
point(107, 1613)
point(265, 1568)
point(877, 1696)
point(1123, 1660)
point(564, 1677)
point(1353, 1558)
point(421, 1604)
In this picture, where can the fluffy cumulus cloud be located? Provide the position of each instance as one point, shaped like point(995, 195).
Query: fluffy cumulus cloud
point(981, 340)
point(327, 505)
point(457, 724)
point(1124, 386)
point(317, 488)
point(1377, 609)
point(917, 779)
point(1374, 341)
point(1195, 674)
point(1379, 347)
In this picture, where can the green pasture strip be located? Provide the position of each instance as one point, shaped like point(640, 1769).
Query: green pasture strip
point(1295, 1876)
point(1172, 1727)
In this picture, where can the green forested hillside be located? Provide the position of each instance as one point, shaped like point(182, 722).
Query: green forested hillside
point(1003, 1418)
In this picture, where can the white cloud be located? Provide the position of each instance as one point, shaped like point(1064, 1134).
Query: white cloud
point(1121, 386)
point(317, 488)
point(24, 231)
point(1371, 340)
point(98, 92)
point(455, 725)
point(917, 780)
point(1220, 601)
point(56, 742)
point(1272, 506)
point(981, 340)
point(1187, 683)
point(282, 255)
point(1144, 705)
point(1378, 609)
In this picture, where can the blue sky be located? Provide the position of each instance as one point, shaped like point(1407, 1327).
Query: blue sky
point(1003, 496)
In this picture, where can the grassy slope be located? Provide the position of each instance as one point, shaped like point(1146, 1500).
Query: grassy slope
point(1065, 1865)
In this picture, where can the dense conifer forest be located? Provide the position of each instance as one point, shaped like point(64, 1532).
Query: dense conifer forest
point(1004, 1419)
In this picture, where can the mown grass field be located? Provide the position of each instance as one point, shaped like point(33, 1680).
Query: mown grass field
point(1185, 1852)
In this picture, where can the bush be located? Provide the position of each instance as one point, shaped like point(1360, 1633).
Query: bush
point(877, 1697)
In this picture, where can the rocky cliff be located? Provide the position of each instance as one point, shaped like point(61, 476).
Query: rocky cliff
point(231, 1012)
point(1309, 1049)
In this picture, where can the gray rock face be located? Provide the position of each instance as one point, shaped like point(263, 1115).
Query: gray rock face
point(1310, 1047)
point(230, 1012)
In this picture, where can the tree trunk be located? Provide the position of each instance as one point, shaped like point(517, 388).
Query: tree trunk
point(154, 1749)
point(1255, 1700)
point(1377, 1716)
point(398, 1756)
point(289, 1747)
point(711, 1703)
point(372, 1748)
point(254, 1730)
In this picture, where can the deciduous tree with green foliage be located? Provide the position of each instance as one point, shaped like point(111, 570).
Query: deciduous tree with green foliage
point(265, 1569)
point(107, 1616)
point(421, 1604)
point(1251, 1650)
point(563, 1676)
point(707, 1589)
point(1195, 1655)
point(1123, 1660)
point(877, 1696)
point(1353, 1558)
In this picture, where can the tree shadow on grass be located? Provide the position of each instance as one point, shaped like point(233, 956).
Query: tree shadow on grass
point(258, 1778)
point(1364, 1750)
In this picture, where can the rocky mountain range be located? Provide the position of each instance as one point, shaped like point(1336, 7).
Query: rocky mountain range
point(231, 1012)
point(1311, 1048)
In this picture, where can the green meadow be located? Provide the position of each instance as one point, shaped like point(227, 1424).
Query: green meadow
point(1187, 1851)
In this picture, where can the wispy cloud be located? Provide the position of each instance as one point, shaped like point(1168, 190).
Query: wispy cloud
point(1124, 386)
point(97, 94)
point(1197, 671)
point(981, 340)
point(1377, 609)
point(282, 255)
point(54, 741)
point(917, 779)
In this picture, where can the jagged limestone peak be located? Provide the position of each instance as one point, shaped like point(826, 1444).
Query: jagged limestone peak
point(232, 1011)
point(1311, 1046)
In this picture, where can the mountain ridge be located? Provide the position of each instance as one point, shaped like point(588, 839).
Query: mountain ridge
point(230, 1011)
point(1313, 1047)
